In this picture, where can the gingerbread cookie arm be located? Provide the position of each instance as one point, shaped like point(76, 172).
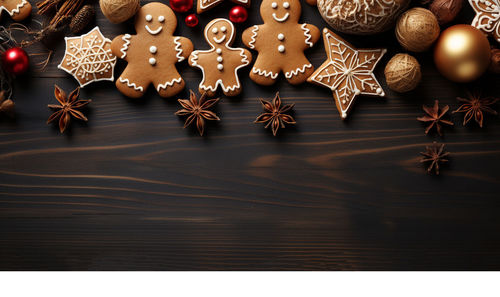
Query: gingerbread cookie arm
point(18, 10)
point(120, 46)
point(183, 48)
point(251, 36)
point(311, 34)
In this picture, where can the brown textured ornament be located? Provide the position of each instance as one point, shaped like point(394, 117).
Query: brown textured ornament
point(417, 29)
point(446, 10)
point(495, 61)
point(462, 53)
point(82, 19)
point(402, 73)
point(118, 11)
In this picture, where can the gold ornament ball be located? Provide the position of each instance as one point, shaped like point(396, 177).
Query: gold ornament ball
point(462, 53)
point(118, 11)
point(417, 29)
point(402, 73)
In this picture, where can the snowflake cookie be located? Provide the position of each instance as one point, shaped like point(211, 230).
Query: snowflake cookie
point(487, 17)
point(17, 9)
point(281, 42)
point(220, 64)
point(88, 57)
point(348, 72)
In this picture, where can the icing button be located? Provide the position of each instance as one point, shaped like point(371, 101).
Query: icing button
point(219, 59)
point(153, 49)
point(220, 67)
point(281, 36)
point(281, 48)
point(152, 61)
point(219, 51)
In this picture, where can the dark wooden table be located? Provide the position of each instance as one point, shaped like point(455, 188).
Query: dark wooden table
point(132, 190)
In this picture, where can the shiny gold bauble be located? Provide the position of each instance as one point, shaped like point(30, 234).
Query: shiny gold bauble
point(417, 29)
point(462, 53)
point(402, 73)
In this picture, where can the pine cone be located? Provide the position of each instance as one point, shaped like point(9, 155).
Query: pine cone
point(81, 19)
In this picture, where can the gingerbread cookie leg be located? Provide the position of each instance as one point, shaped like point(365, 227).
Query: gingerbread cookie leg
point(263, 72)
point(17, 9)
point(168, 87)
point(132, 85)
point(298, 73)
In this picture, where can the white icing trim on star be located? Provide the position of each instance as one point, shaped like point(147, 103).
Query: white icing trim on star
point(124, 48)
point(14, 10)
point(298, 70)
point(307, 34)
point(487, 18)
point(131, 85)
point(282, 19)
point(73, 71)
point(178, 49)
point(265, 73)
point(219, 82)
point(251, 44)
point(168, 84)
point(202, 5)
point(154, 32)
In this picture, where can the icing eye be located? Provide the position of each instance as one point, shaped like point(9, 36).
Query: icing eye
point(274, 5)
point(286, 5)
point(149, 17)
point(161, 19)
point(223, 29)
point(214, 30)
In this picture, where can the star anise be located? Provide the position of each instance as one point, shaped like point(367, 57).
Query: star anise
point(475, 106)
point(435, 117)
point(197, 110)
point(69, 107)
point(435, 154)
point(274, 114)
point(6, 105)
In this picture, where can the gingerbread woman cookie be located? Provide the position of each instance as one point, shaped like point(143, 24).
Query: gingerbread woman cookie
point(17, 9)
point(152, 53)
point(220, 64)
point(281, 42)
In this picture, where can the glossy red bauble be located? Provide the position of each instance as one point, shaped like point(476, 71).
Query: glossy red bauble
point(181, 5)
point(238, 14)
point(191, 20)
point(15, 61)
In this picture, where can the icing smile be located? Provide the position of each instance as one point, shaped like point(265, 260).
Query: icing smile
point(284, 18)
point(220, 40)
point(155, 31)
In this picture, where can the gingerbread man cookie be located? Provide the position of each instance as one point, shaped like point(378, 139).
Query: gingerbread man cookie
point(17, 9)
point(220, 64)
point(281, 42)
point(152, 53)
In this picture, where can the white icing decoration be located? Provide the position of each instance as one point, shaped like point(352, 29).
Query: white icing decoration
point(223, 29)
point(169, 83)
point(274, 5)
point(348, 69)
point(219, 59)
point(281, 36)
point(286, 5)
point(88, 58)
point(204, 4)
point(219, 82)
point(307, 34)
point(251, 44)
point(281, 48)
point(152, 61)
point(153, 49)
point(178, 49)
point(220, 67)
point(282, 19)
point(487, 17)
point(154, 32)
point(126, 39)
point(215, 30)
point(149, 17)
point(220, 40)
point(14, 10)
point(161, 19)
point(298, 70)
point(264, 73)
point(131, 85)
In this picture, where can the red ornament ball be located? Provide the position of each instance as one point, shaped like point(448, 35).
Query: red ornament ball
point(15, 61)
point(181, 5)
point(191, 20)
point(238, 14)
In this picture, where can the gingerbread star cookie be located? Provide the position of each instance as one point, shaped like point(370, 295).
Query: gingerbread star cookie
point(348, 72)
point(487, 17)
point(220, 64)
point(152, 53)
point(88, 57)
point(281, 42)
point(17, 9)
point(204, 5)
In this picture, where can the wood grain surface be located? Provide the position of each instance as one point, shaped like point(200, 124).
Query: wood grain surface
point(133, 190)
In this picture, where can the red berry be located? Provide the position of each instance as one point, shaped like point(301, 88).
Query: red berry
point(191, 20)
point(15, 61)
point(181, 5)
point(238, 14)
